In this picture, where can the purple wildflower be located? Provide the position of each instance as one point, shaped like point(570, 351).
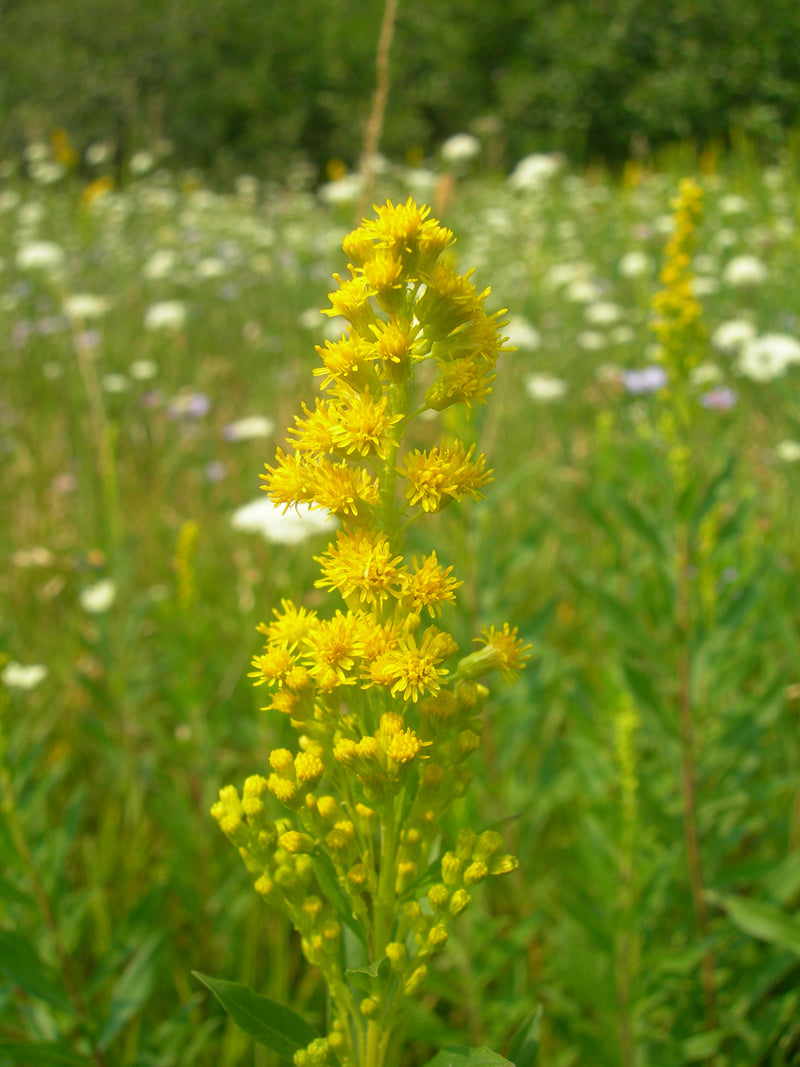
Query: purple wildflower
point(719, 399)
point(647, 380)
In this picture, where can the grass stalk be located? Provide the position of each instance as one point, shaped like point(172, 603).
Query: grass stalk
point(689, 777)
point(374, 127)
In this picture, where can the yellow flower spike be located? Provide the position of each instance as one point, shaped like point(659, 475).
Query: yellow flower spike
point(371, 688)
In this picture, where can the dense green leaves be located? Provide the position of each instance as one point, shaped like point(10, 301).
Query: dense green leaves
point(20, 962)
point(247, 84)
point(763, 921)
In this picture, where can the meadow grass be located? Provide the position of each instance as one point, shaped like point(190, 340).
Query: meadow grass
point(124, 460)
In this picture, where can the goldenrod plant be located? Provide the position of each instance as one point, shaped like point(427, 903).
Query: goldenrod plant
point(342, 832)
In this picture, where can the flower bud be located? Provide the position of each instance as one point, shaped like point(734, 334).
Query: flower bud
point(397, 955)
point(451, 869)
point(437, 937)
point(368, 1007)
point(438, 895)
point(416, 979)
point(459, 902)
point(476, 872)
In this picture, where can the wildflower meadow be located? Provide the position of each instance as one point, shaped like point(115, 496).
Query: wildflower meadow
point(443, 554)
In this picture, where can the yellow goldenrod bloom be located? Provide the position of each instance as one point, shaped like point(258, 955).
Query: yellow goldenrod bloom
point(384, 706)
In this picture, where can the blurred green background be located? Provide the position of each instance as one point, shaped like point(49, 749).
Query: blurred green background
point(248, 83)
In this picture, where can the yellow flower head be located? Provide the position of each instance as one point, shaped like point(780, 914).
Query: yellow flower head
point(367, 682)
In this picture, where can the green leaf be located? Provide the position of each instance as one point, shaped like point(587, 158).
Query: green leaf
point(762, 921)
point(270, 1024)
point(640, 522)
point(366, 977)
point(711, 496)
point(41, 1055)
point(20, 962)
point(702, 1046)
point(131, 990)
point(525, 1044)
point(329, 883)
point(461, 1056)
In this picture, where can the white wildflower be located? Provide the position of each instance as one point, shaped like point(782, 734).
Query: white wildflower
point(461, 148)
point(544, 387)
point(768, 357)
point(534, 172)
point(115, 383)
point(788, 451)
point(743, 271)
point(250, 428)
point(166, 315)
point(141, 162)
point(40, 255)
point(603, 313)
point(23, 676)
point(161, 263)
point(143, 369)
point(635, 264)
point(732, 335)
point(522, 334)
point(99, 597)
point(86, 306)
point(286, 528)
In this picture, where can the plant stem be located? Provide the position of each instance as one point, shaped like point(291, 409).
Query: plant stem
point(688, 779)
point(372, 133)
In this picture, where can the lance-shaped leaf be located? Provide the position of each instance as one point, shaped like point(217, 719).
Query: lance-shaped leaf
point(270, 1024)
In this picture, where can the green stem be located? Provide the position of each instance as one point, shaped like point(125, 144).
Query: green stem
point(398, 404)
point(688, 777)
point(379, 1030)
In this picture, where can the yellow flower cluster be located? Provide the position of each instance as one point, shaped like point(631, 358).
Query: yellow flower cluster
point(385, 711)
point(678, 315)
point(679, 327)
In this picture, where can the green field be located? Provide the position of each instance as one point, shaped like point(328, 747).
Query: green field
point(156, 341)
